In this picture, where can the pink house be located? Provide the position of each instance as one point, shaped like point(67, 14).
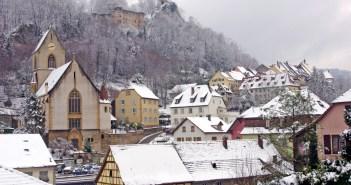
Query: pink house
point(329, 127)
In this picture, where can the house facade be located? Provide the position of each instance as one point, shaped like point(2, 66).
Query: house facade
point(198, 101)
point(73, 109)
point(329, 127)
point(28, 153)
point(137, 104)
point(201, 129)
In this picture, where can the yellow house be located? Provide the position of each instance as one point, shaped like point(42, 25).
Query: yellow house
point(137, 104)
point(231, 80)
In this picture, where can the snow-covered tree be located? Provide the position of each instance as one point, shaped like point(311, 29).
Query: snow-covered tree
point(325, 89)
point(346, 135)
point(34, 115)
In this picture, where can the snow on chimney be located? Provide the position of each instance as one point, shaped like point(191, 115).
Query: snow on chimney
point(260, 141)
point(225, 142)
point(209, 117)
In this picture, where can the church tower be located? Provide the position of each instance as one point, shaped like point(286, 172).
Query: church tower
point(48, 55)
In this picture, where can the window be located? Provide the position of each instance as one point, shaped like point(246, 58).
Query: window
point(128, 92)
point(201, 109)
point(182, 111)
point(134, 110)
point(176, 121)
point(145, 119)
point(74, 102)
point(51, 62)
point(335, 144)
point(192, 129)
point(327, 147)
point(123, 111)
point(183, 129)
point(180, 139)
point(35, 62)
point(43, 175)
point(105, 109)
point(197, 139)
point(144, 101)
point(90, 140)
point(190, 110)
point(122, 102)
point(188, 139)
point(74, 123)
point(175, 111)
point(214, 138)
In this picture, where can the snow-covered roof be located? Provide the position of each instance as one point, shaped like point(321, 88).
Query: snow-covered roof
point(181, 87)
point(143, 91)
point(236, 75)
point(209, 126)
point(105, 101)
point(262, 130)
point(327, 75)
point(199, 95)
point(149, 164)
point(52, 79)
point(41, 41)
point(274, 105)
point(346, 97)
point(10, 176)
point(240, 159)
point(7, 111)
point(24, 151)
point(267, 81)
point(245, 71)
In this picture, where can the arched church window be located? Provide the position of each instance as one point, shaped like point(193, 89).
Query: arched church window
point(51, 62)
point(74, 102)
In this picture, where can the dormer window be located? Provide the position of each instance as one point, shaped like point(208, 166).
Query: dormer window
point(51, 62)
point(177, 101)
point(192, 100)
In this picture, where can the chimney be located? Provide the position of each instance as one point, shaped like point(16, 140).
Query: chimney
point(225, 142)
point(46, 87)
point(192, 90)
point(209, 117)
point(260, 141)
point(219, 126)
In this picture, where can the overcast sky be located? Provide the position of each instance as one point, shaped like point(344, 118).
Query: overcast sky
point(271, 30)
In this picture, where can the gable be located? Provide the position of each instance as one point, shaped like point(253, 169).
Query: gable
point(44, 41)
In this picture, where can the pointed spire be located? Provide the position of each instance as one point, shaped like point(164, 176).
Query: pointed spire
point(103, 92)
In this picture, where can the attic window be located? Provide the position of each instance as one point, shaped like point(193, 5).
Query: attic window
point(26, 141)
point(214, 165)
point(272, 78)
point(192, 100)
point(320, 104)
point(26, 149)
point(282, 77)
point(283, 82)
point(264, 79)
point(268, 83)
point(177, 101)
point(202, 99)
point(251, 85)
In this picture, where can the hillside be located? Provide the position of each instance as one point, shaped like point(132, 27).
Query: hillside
point(167, 50)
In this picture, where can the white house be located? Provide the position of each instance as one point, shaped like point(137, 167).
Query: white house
point(198, 101)
point(201, 129)
point(27, 153)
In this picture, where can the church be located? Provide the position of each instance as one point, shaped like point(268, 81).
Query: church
point(73, 107)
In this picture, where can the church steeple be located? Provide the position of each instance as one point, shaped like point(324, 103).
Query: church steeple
point(47, 55)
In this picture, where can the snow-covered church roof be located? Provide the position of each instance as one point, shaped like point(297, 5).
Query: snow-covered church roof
point(10, 176)
point(24, 151)
point(52, 79)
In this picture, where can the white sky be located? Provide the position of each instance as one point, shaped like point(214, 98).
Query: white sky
point(272, 30)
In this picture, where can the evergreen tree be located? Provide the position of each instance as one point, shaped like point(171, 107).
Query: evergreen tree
point(34, 115)
point(313, 161)
point(346, 135)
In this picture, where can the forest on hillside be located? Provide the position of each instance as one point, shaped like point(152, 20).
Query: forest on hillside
point(167, 50)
